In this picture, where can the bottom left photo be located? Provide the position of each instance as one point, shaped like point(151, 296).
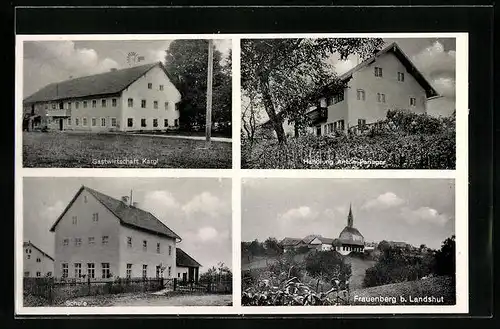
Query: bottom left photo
point(119, 241)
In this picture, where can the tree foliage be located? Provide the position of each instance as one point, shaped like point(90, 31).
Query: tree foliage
point(329, 265)
point(186, 61)
point(445, 257)
point(288, 74)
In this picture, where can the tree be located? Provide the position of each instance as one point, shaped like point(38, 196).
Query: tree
point(186, 63)
point(273, 247)
point(327, 265)
point(445, 257)
point(288, 74)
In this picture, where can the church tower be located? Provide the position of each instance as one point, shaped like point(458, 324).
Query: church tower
point(350, 218)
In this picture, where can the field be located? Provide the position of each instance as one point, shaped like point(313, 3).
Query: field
point(90, 150)
point(406, 293)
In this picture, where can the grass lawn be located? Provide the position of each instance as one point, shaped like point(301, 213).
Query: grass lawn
point(82, 150)
point(358, 268)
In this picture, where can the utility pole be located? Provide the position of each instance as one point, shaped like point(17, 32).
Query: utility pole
point(208, 125)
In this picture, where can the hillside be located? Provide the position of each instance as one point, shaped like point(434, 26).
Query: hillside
point(438, 290)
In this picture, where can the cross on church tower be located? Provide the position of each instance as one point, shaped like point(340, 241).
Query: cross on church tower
point(350, 218)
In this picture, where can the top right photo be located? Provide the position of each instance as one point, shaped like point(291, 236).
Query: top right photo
point(348, 103)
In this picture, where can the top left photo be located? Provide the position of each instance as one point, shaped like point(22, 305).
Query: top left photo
point(125, 103)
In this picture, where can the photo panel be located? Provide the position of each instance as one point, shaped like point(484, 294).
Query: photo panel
point(97, 244)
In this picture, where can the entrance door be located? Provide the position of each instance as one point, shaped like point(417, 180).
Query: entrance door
point(184, 277)
point(191, 274)
point(318, 130)
point(61, 124)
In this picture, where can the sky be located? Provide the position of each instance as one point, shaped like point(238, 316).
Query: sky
point(46, 62)
point(197, 209)
point(416, 211)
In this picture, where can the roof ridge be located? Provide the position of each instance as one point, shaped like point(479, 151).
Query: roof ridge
point(39, 249)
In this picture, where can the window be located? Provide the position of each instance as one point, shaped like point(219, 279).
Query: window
point(94, 103)
point(378, 72)
point(176, 122)
point(38, 274)
point(340, 125)
point(144, 271)
point(413, 101)
point(91, 270)
point(155, 122)
point(130, 102)
point(165, 122)
point(95, 217)
point(84, 104)
point(169, 271)
point(74, 220)
point(113, 102)
point(166, 106)
point(170, 250)
point(84, 121)
point(150, 85)
point(77, 105)
point(38, 260)
point(161, 87)
point(105, 239)
point(103, 103)
point(143, 103)
point(143, 122)
point(329, 128)
point(340, 97)
point(29, 256)
point(65, 242)
point(49, 273)
point(64, 270)
point(113, 122)
point(103, 122)
point(27, 274)
point(54, 106)
point(69, 105)
point(61, 106)
point(91, 240)
point(78, 270)
point(361, 123)
point(130, 122)
point(78, 242)
point(105, 270)
point(129, 241)
point(360, 94)
point(178, 275)
point(145, 245)
point(94, 122)
point(69, 121)
point(85, 200)
point(401, 76)
point(158, 271)
point(380, 98)
point(158, 247)
point(129, 271)
point(155, 105)
point(77, 121)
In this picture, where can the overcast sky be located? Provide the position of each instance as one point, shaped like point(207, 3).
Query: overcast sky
point(52, 61)
point(197, 209)
point(416, 211)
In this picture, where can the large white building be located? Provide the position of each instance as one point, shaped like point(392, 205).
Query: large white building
point(133, 99)
point(100, 237)
point(388, 80)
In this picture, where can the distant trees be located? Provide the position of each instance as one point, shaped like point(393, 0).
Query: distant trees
point(270, 247)
point(327, 265)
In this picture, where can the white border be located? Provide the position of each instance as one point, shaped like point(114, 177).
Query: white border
point(460, 175)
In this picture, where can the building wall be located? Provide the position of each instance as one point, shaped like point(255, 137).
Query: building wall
point(136, 255)
point(44, 268)
point(39, 109)
point(99, 112)
point(326, 247)
point(335, 112)
point(180, 271)
point(139, 91)
point(397, 93)
point(107, 225)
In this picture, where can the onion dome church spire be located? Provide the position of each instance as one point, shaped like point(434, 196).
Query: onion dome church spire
point(350, 218)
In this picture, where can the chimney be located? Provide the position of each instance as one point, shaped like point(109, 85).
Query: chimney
point(125, 199)
point(135, 204)
point(113, 69)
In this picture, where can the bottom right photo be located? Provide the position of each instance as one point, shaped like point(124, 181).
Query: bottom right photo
point(329, 241)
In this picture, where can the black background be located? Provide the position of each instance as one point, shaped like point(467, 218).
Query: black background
point(477, 21)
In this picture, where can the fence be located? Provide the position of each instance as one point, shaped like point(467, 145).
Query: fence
point(205, 286)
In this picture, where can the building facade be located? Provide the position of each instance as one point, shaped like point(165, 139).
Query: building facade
point(188, 269)
point(140, 98)
point(350, 239)
point(36, 262)
point(386, 81)
point(100, 237)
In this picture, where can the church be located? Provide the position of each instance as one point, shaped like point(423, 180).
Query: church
point(350, 239)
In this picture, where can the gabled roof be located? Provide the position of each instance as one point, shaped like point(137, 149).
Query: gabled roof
point(290, 241)
point(183, 259)
point(29, 243)
point(325, 240)
point(403, 58)
point(128, 215)
point(351, 230)
point(112, 82)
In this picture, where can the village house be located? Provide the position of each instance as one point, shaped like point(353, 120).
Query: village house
point(388, 80)
point(140, 98)
point(100, 237)
point(36, 262)
point(188, 269)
